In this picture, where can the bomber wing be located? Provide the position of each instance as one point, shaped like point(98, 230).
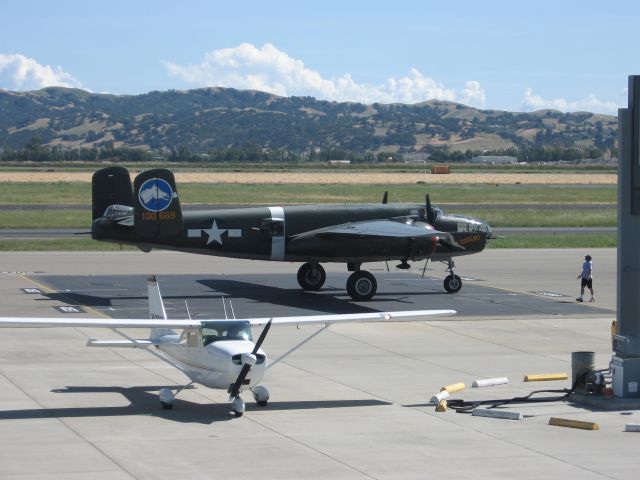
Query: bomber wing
point(375, 229)
point(379, 239)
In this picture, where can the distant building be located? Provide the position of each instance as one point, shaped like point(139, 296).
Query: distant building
point(494, 159)
point(339, 162)
point(415, 157)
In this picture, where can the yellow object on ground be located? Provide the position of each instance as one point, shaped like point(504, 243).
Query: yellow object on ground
point(565, 422)
point(442, 406)
point(456, 387)
point(546, 377)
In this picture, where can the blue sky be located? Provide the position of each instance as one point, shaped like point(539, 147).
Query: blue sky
point(568, 55)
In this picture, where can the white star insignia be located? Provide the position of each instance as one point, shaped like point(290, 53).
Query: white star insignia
point(214, 233)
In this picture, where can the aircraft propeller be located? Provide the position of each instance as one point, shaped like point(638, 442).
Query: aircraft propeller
point(235, 389)
point(431, 213)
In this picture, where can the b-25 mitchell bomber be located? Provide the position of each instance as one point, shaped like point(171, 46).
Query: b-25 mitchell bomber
point(149, 216)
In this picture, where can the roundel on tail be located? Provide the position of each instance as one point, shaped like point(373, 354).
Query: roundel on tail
point(155, 195)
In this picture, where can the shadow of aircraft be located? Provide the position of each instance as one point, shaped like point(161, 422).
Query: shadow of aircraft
point(293, 298)
point(84, 300)
point(277, 290)
point(143, 402)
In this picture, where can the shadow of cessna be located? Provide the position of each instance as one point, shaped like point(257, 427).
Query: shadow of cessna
point(144, 402)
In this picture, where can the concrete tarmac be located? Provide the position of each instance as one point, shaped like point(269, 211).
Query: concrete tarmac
point(352, 403)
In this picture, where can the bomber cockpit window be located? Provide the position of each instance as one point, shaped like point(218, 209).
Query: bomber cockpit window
point(225, 330)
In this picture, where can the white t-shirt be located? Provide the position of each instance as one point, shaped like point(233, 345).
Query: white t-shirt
point(587, 268)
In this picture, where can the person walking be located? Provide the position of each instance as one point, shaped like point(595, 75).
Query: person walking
point(586, 278)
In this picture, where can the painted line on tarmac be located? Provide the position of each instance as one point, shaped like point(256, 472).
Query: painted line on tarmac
point(45, 289)
point(511, 294)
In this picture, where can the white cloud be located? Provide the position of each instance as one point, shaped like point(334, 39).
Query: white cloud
point(473, 94)
point(589, 104)
point(271, 70)
point(18, 72)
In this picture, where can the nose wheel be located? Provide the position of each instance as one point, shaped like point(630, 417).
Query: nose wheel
point(452, 283)
point(237, 406)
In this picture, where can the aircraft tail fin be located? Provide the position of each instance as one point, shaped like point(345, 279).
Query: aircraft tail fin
point(157, 212)
point(156, 307)
point(110, 186)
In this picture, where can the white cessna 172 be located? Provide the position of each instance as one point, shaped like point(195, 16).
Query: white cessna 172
point(218, 354)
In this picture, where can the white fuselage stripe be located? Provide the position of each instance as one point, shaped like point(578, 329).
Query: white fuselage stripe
point(277, 242)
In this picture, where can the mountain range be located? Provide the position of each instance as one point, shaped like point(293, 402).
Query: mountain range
point(217, 118)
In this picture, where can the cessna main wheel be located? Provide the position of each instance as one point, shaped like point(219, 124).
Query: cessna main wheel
point(453, 283)
point(311, 276)
point(361, 285)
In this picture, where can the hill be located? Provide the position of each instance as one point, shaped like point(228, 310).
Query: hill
point(217, 118)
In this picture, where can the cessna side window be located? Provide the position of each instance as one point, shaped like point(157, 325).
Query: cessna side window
point(189, 338)
point(229, 330)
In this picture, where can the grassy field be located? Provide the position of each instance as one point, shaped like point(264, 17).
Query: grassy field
point(530, 217)
point(58, 244)
point(525, 217)
point(306, 166)
point(600, 240)
point(80, 193)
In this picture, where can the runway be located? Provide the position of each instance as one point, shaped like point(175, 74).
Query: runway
point(352, 403)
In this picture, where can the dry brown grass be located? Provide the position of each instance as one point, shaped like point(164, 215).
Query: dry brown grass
point(341, 178)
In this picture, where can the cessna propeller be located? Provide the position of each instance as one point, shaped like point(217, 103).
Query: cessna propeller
point(248, 361)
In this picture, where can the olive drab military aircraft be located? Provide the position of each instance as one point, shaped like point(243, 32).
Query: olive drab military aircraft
point(219, 353)
point(149, 216)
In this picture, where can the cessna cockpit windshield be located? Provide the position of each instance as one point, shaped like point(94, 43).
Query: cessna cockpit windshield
point(227, 330)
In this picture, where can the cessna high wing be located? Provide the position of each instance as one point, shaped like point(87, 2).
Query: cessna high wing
point(149, 216)
point(219, 353)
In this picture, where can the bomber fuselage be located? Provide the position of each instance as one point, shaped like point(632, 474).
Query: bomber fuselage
point(295, 233)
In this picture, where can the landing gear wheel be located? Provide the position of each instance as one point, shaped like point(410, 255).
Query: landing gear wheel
point(261, 395)
point(361, 285)
point(453, 283)
point(237, 406)
point(311, 276)
point(166, 397)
